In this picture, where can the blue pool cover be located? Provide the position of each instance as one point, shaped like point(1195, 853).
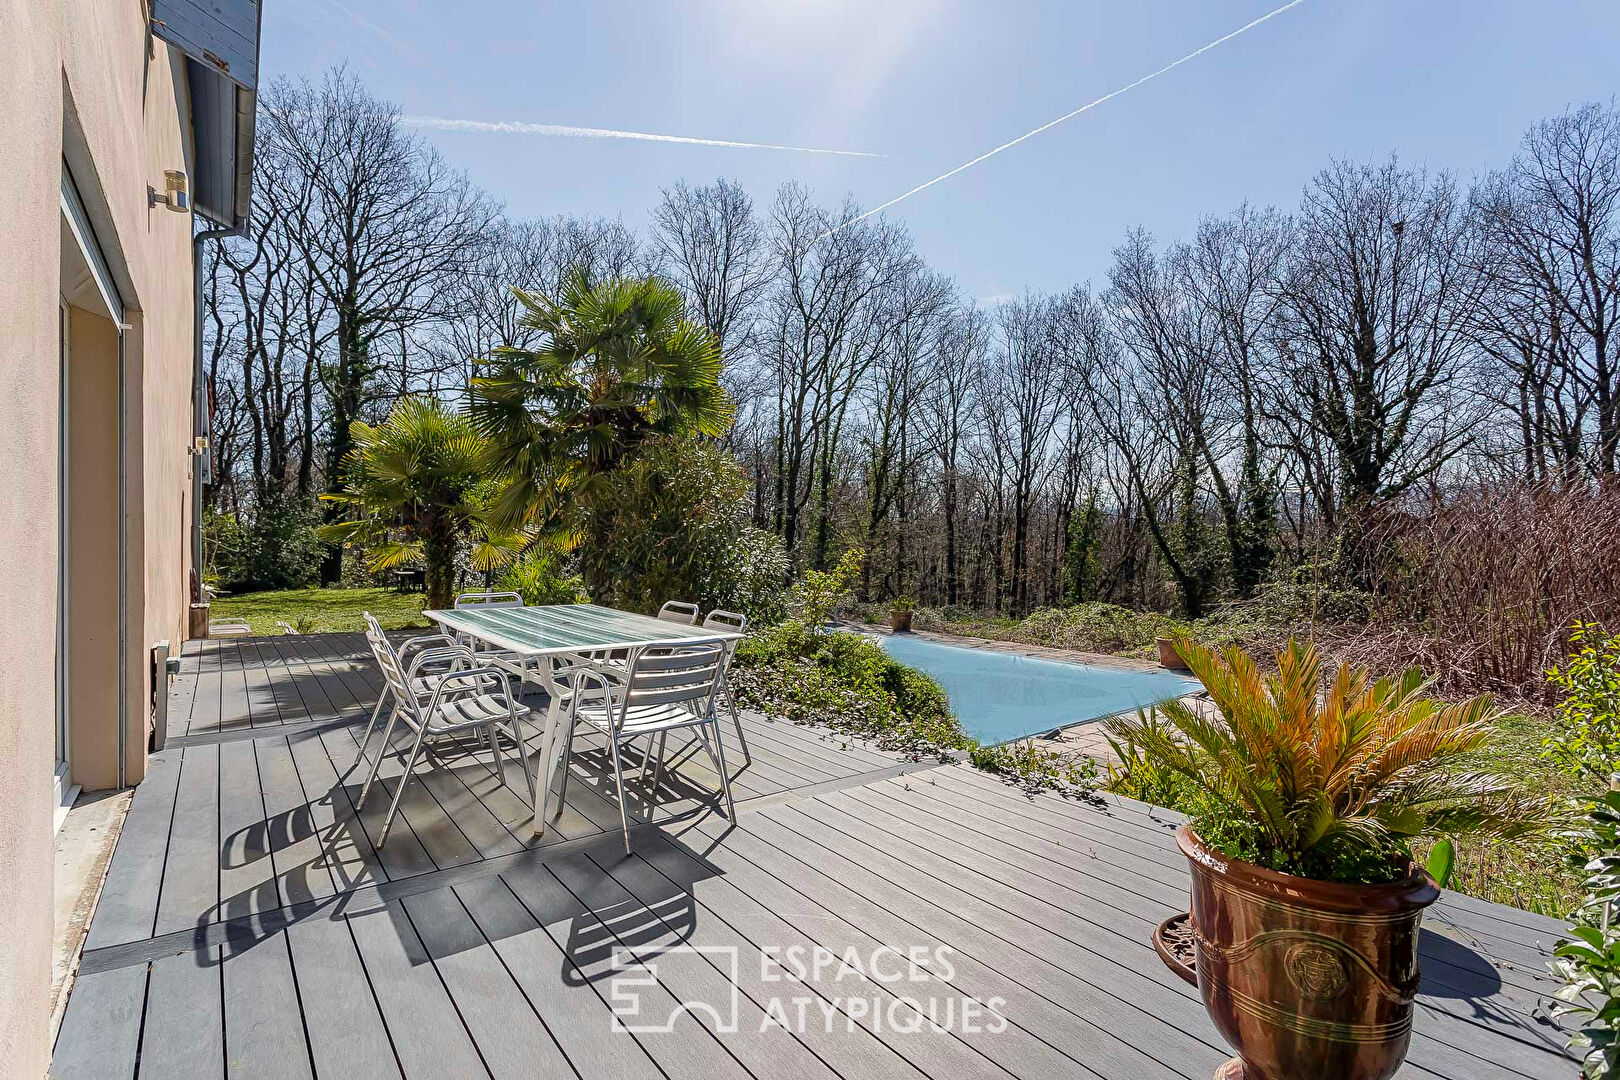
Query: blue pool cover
point(1001, 696)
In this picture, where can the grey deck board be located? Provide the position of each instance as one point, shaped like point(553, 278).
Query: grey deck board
point(467, 947)
point(128, 904)
point(346, 1034)
point(264, 1029)
point(403, 854)
point(573, 1013)
point(1039, 971)
point(101, 1029)
point(247, 876)
point(821, 909)
point(1077, 868)
point(852, 1051)
point(688, 1050)
point(428, 1034)
point(1159, 868)
point(732, 898)
point(235, 709)
point(184, 1037)
point(645, 928)
point(936, 854)
point(191, 872)
point(514, 1041)
point(289, 824)
point(205, 710)
point(346, 851)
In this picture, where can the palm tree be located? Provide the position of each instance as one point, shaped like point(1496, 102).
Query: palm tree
point(617, 363)
point(417, 488)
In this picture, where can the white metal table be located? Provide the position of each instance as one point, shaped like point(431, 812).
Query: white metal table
point(546, 635)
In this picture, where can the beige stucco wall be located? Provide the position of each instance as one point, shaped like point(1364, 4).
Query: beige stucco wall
point(30, 159)
point(82, 80)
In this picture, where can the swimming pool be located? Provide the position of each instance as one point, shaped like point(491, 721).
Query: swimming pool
point(1001, 696)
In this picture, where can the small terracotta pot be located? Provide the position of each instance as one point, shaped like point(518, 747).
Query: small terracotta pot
point(1169, 657)
point(900, 619)
point(1304, 977)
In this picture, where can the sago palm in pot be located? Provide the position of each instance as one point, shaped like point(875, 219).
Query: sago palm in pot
point(1303, 802)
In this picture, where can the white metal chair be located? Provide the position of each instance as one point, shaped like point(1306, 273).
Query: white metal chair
point(446, 652)
point(465, 698)
point(489, 598)
point(720, 619)
point(670, 688)
point(679, 611)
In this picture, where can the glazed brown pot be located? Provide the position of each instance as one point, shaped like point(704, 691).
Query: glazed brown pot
point(1169, 657)
point(900, 619)
point(1305, 978)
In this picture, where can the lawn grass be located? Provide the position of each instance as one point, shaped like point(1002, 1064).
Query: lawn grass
point(321, 611)
point(1530, 873)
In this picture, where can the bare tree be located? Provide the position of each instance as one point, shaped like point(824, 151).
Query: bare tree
point(384, 225)
point(823, 333)
point(1552, 226)
point(913, 314)
point(1378, 297)
point(716, 251)
point(1026, 369)
point(962, 354)
point(1229, 275)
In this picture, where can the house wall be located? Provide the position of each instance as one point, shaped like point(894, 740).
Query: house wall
point(85, 82)
point(30, 159)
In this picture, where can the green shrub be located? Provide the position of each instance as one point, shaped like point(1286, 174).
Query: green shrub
point(1587, 747)
point(675, 523)
point(1037, 767)
point(275, 549)
point(1335, 785)
point(845, 682)
point(820, 592)
point(1140, 775)
point(1587, 743)
point(1589, 961)
point(540, 579)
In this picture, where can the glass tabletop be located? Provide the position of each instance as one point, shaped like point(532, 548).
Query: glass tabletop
point(568, 628)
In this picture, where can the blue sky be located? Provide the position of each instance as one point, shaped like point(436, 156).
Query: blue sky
point(929, 84)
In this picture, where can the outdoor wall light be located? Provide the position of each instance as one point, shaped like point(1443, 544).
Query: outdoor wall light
point(176, 195)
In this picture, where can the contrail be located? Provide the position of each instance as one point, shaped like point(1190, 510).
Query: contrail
point(518, 127)
point(1066, 116)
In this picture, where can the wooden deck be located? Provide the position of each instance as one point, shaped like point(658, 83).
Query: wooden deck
point(249, 928)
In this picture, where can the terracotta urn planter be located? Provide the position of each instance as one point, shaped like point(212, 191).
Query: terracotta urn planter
point(1305, 978)
point(1169, 657)
point(900, 619)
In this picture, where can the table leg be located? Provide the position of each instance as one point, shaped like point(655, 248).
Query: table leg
point(546, 773)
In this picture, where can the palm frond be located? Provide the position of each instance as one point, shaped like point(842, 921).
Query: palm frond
point(1307, 771)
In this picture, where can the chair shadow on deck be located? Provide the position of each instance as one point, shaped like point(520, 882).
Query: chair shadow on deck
point(343, 873)
point(601, 941)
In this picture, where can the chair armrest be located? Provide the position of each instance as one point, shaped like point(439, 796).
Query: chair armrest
point(603, 679)
point(474, 678)
point(423, 639)
point(454, 653)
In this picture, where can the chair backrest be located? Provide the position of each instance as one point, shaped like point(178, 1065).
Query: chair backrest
point(726, 620)
point(488, 598)
point(671, 674)
point(679, 611)
point(388, 661)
